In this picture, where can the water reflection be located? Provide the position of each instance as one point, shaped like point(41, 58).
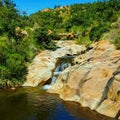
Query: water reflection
point(34, 104)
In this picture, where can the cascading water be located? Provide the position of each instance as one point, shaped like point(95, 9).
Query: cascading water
point(62, 65)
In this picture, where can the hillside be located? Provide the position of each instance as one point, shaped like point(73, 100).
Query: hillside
point(89, 22)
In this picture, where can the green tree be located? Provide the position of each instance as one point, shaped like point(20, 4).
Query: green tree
point(97, 31)
point(44, 39)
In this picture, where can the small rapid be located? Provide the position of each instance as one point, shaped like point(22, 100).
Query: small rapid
point(62, 64)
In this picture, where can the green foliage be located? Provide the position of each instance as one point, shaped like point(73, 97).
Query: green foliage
point(44, 39)
point(19, 43)
point(11, 63)
point(116, 42)
point(15, 49)
point(49, 19)
point(96, 32)
point(84, 41)
point(73, 18)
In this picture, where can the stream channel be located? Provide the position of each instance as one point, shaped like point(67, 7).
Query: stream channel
point(37, 104)
point(61, 65)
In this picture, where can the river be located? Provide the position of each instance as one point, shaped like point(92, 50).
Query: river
point(37, 104)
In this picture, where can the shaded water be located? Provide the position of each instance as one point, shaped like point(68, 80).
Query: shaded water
point(36, 104)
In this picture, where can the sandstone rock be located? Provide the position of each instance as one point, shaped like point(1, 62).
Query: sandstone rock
point(67, 36)
point(40, 70)
point(117, 77)
point(24, 32)
point(46, 10)
point(111, 105)
point(94, 81)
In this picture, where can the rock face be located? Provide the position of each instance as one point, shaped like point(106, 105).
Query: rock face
point(44, 63)
point(94, 81)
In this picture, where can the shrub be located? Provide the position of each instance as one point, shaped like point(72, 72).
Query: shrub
point(116, 42)
point(84, 40)
point(44, 39)
point(96, 32)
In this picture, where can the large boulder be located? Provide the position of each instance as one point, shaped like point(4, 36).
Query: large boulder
point(94, 81)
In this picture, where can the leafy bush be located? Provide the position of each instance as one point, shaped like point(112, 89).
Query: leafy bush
point(15, 49)
point(84, 40)
point(116, 42)
point(96, 32)
point(44, 39)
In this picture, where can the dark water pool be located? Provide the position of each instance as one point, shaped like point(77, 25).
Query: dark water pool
point(35, 104)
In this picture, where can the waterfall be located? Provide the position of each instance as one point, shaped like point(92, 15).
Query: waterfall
point(56, 73)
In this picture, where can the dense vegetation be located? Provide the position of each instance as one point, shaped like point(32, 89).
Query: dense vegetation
point(22, 36)
point(90, 22)
point(19, 43)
